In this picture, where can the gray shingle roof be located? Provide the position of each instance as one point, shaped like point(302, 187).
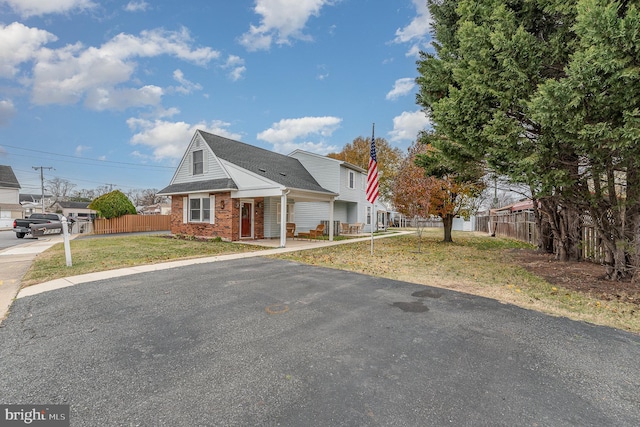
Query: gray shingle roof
point(279, 168)
point(198, 186)
point(74, 205)
point(8, 178)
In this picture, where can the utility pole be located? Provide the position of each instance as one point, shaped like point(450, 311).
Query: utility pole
point(42, 168)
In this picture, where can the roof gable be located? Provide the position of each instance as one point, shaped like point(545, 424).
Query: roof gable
point(8, 178)
point(284, 170)
point(301, 153)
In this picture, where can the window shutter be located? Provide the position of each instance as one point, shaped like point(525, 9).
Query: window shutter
point(190, 161)
point(205, 162)
point(212, 207)
point(185, 210)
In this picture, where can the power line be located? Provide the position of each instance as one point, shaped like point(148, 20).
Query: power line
point(85, 159)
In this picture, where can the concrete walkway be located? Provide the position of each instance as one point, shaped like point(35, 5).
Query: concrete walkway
point(15, 261)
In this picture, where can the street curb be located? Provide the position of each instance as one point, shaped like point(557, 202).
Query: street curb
point(102, 275)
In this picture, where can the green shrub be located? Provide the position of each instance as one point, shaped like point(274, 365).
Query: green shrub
point(113, 205)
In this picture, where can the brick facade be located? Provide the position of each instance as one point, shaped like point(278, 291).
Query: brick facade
point(227, 219)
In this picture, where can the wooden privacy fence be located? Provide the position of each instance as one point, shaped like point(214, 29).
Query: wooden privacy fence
point(517, 225)
point(132, 224)
point(521, 226)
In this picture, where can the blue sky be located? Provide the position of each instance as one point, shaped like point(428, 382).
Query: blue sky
point(111, 91)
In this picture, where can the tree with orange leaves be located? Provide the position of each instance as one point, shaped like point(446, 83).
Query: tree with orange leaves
point(411, 187)
point(452, 186)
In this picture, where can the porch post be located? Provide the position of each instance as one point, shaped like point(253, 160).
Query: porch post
point(283, 218)
point(331, 230)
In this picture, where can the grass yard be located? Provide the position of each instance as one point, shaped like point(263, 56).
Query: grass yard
point(108, 253)
point(475, 263)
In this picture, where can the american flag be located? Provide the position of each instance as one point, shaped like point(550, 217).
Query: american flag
point(372, 174)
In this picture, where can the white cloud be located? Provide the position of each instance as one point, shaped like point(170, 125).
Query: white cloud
point(186, 86)
point(282, 20)
point(237, 73)
point(7, 111)
point(236, 64)
point(80, 149)
point(20, 44)
point(417, 31)
point(136, 6)
point(27, 8)
point(283, 135)
point(169, 139)
point(402, 87)
point(321, 148)
point(407, 125)
point(68, 74)
point(120, 99)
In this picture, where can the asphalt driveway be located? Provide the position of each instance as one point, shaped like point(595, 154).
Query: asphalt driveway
point(267, 342)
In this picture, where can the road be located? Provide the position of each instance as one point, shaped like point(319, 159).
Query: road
point(8, 239)
point(268, 342)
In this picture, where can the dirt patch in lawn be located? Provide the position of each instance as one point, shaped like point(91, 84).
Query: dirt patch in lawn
point(583, 277)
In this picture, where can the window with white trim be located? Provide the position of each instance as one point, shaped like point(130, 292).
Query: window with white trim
point(351, 179)
point(291, 217)
point(368, 215)
point(201, 208)
point(198, 162)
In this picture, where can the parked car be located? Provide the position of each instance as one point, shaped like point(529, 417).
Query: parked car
point(39, 224)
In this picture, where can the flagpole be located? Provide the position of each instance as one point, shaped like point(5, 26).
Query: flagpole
point(372, 210)
point(373, 203)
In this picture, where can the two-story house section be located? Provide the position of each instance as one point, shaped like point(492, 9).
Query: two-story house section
point(345, 179)
point(10, 207)
point(229, 189)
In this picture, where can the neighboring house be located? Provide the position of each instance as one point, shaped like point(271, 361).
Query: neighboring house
point(75, 210)
point(349, 181)
point(32, 203)
point(10, 207)
point(157, 209)
point(229, 189)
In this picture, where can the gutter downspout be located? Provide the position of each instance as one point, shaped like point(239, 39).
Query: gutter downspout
point(331, 230)
point(283, 218)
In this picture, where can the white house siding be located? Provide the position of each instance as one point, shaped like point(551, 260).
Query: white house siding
point(10, 195)
point(212, 167)
point(354, 194)
point(309, 214)
point(350, 204)
point(271, 215)
point(325, 170)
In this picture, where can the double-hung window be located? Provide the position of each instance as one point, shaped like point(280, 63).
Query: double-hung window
point(198, 162)
point(351, 179)
point(201, 208)
point(290, 213)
